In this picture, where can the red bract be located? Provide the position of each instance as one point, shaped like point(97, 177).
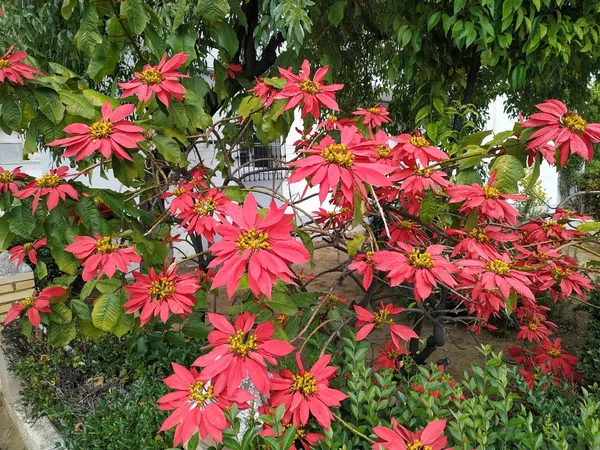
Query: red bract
point(416, 148)
point(399, 438)
point(198, 405)
point(110, 136)
point(238, 353)
point(34, 305)
point(161, 79)
point(569, 131)
point(265, 91)
point(234, 69)
point(390, 357)
point(13, 69)
point(485, 305)
point(329, 164)
point(260, 247)
point(333, 219)
point(419, 179)
point(551, 356)
point(548, 230)
point(29, 249)
point(9, 180)
point(534, 330)
point(406, 231)
point(374, 116)
point(306, 439)
point(184, 197)
point(363, 264)
point(380, 150)
point(561, 281)
point(309, 93)
point(52, 185)
point(533, 377)
point(479, 241)
point(368, 321)
point(424, 269)
point(205, 214)
point(160, 294)
point(307, 393)
point(100, 256)
point(489, 202)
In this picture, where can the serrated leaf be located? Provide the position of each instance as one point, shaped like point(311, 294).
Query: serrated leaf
point(136, 15)
point(167, 147)
point(509, 171)
point(88, 37)
point(61, 335)
point(106, 312)
point(50, 105)
point(81, 309)
point(60, 313)
point(77, 104)
point(89, 215)
point(21, 221)
point(429, 208)
point(213, 10)
point(11, 113)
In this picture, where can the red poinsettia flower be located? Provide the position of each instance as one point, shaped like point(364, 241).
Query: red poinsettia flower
point(302, 437)
point(329, 164)
point(169, 239)
point(422, 268)
point(416, 148)
point(260, 247)
point(13, 69)
point(380, 148)
point(198, 405)
point(569, 131)
point(533, 331)
point(405, 230)
point(205, 214)
point(234, 69)
point(161, 294)
point(307, 393)
point(568, 214)
point(265, 91)
point(399, 438)
point(335, 219)
point(548, 230)
point(375, 116)
point(33, 305)
point(551, 355)
point(183, 197)
point(52, 185)
point(560, 281)
point(418, 179)
point(9, 180)
point(368, 321)
point(100, 256)
point(309, 93)
point(161, 80)
point(390, 357)
point(238, 353)
point(29, 249)
point(363, 264)
point(481, 241)
point(489, 202)
point(110, 136)
point(523, 356)
point(533, 377)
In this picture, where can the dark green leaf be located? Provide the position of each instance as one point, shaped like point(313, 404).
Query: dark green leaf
point(336, 12)
point(11, 113)
point(106, 312)
point(429, 208)
point(61, 335)
point(21, 221)
point(136, 15)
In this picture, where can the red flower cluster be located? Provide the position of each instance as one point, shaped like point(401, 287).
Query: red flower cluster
point(33, 305)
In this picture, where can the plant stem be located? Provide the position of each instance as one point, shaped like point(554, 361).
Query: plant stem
point(352, 429)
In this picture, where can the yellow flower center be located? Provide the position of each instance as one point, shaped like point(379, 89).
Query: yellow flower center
point(162, 288)
point(499, 267)
point(300, 431)
point(27, 302)
point(479, 235)
point(306, 384)
point(532, 326)
point(311, 87)
point(424, 172)
point(205, 206)
point(48, 181)
point(553, 352)
point(535, 376)
point(241, 345)
point(551, 223)
point(420, 260)
point(332, 118)
point(338, 154)
point(201, 395)
point(383, 151)
point(369, 257)
point(28, 247)
point(253, 240)
point(151, 76)
point(418, 445)
point(179, 191)
point(418, 141)
point(405, 224)
point(6, 177)
point(4, 63)
point(558, 274)
point(374, 110)
point(104, 245)
point(100, 130)
point(491, 193)
point(569, 212)
point(574, 122)
point(381, 318)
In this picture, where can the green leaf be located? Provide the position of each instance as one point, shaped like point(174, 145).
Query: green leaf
point(21, 221)
point(282, 303)
point(77, 104)
point(81, 309)
point(184, 40)
point(88, 37)
point(41, 271)
point(213, 10)
point(468, 177)
point(589, 227)
point(89, 215)
point(26, 328)
point(124, 324)
point(50, 104)
point(511, 301)
point(354, 245)
point(106, 312)
point(227, 39)
point(168, 148)
point(509, 171)
point(11, 113)
point(472, 220)
point(87, 328)
point(248, 105)
point(236, 194)
point(60, 313)
point(336, 12)
point(429, 208)
point(6, 236)
point(67, 8)
point(136, 15)
point(359, 211)
point(535, 174)
point(195, 327)
point(433, 20)
point(175, 338)
point(61, 335)
point(459, 5)
point(103, 61)
point(472, 156)
point(179, 13)
point(155, 42)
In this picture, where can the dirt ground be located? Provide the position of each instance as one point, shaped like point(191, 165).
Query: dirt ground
point(9, 437)
point(461, 345)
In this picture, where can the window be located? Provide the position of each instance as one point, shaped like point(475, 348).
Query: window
point(254, 163)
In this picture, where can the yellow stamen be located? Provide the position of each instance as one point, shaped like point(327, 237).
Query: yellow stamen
point(28, 247)
point(332, 118)
point(416, 445)
point(553, 352)
point(491, 193)
point(369, 257)
point(381, 318)
point(558, 274)
point(405, 224)
point(306, 384)
point(200, 394)
point(424, 172)
point(338, 154)
point(27, 302)
point(551, 223)
point(151, 76)
point(238, 347)
point(574, 122)
point(532, 326)
point(374, 110)
point(48, 181)
point(6, 177)
point(479, 235)
point(311, 87)
point(499, 267)
point(569, 212)
point(205, 207)
point(104, 245)
point(4, 63)
point(253, 240)
point(383, 151)
point(162, 288)
point(100, 130)
point(418, 141)
point(179, 191)
point(420, 260)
